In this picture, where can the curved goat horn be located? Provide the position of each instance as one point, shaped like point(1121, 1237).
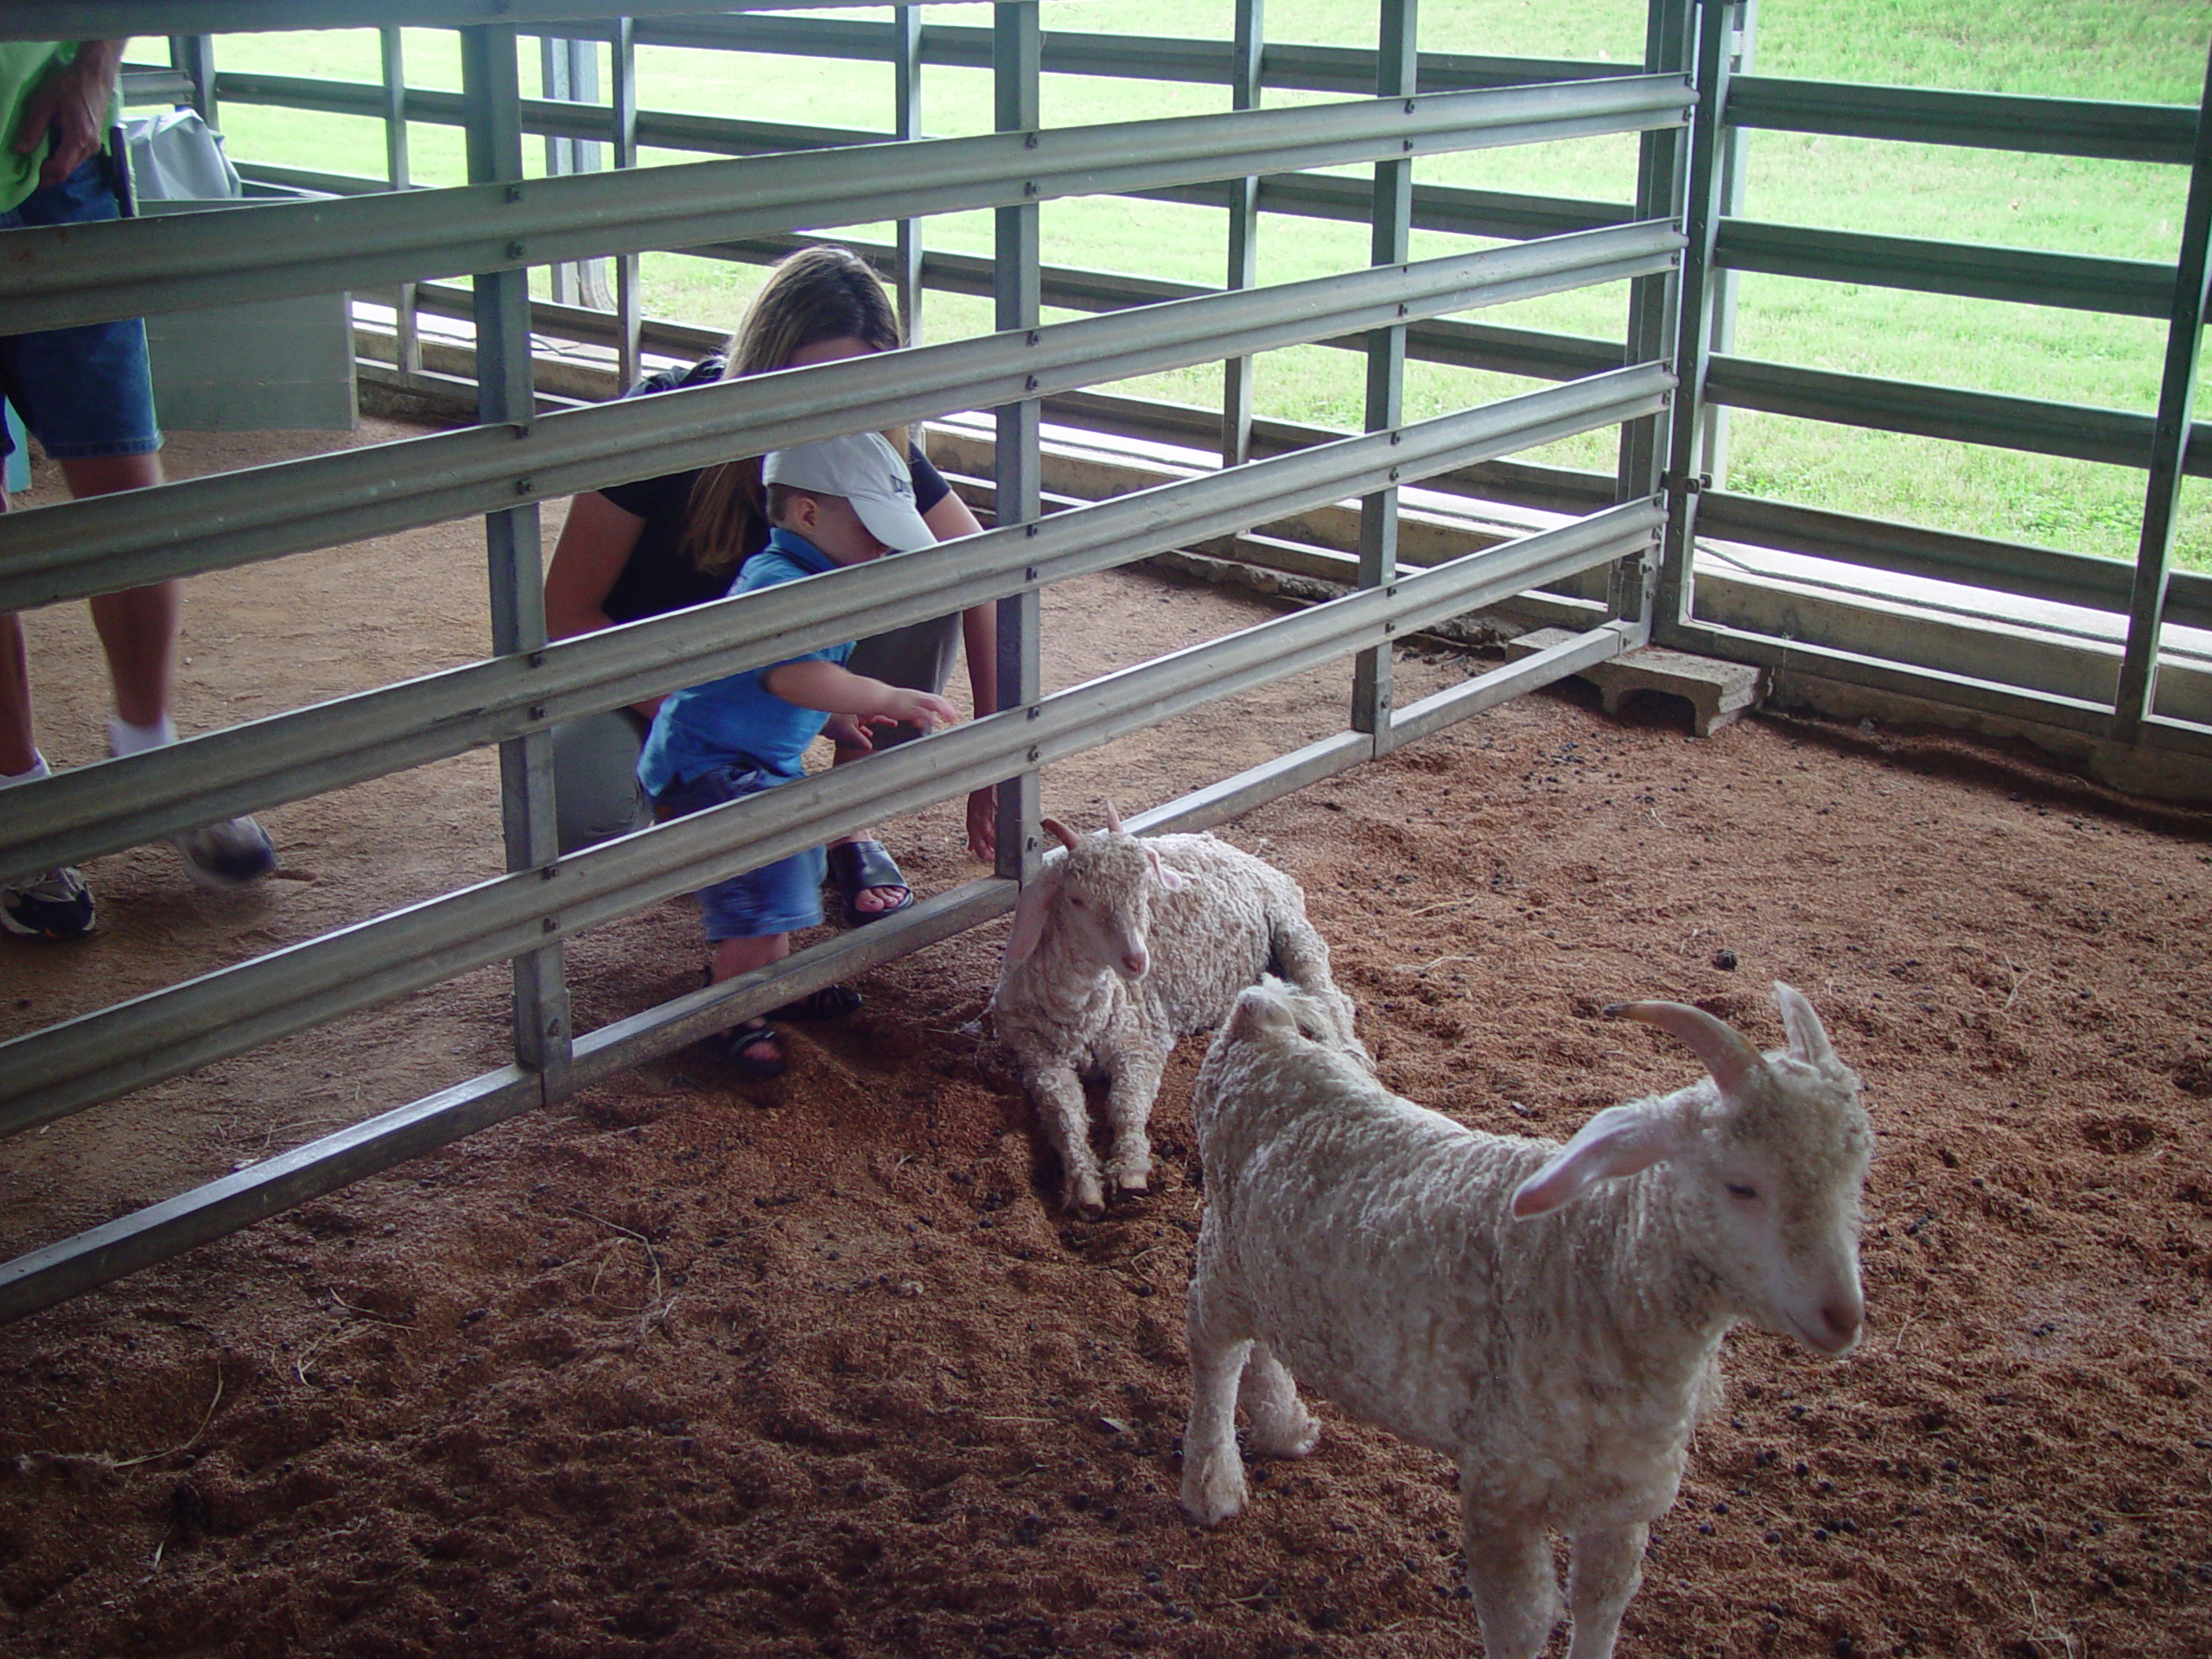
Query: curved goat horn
point(1113, 818)
point(1726, 1053)
point(1068, 838)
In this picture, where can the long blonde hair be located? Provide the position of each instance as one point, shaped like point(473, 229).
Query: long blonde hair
point(815, 294)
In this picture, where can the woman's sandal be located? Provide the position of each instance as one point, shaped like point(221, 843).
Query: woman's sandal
point(856, 866)
point(742, 1046)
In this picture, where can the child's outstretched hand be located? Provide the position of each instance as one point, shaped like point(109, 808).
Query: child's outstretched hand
point(850, 731)
point(922, 709)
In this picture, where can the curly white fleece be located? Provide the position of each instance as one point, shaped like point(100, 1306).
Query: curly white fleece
point(1366, 1247)
point(1069, 1010)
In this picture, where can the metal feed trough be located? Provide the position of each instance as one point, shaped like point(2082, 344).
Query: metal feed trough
point(1619, 569)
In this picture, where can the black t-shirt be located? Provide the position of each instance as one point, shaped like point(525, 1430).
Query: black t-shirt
point(660, 575)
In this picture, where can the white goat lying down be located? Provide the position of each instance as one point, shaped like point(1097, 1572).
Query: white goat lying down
point(1120, 948)
point(1549, 1316)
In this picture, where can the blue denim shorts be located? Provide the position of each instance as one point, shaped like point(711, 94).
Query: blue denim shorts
point(82, 391)
point(778, 897)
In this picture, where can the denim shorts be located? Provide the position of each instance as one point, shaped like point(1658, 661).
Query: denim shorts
point(778, 897)
point(82, 391)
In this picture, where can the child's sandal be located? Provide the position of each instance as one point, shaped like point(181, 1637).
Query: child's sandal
point(755, 1048)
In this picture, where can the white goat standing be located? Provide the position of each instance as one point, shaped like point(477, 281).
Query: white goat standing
point(1549, 1316)
point(1121, 947)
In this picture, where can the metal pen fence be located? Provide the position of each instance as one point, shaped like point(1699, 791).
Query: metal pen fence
point(2167, 446)
point(499, 225)
point(1630, 550)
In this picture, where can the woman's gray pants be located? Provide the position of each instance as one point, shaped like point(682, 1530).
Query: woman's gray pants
point(595, 778)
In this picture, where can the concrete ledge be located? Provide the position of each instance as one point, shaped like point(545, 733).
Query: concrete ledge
point(2154, 774)
point(1716, 691)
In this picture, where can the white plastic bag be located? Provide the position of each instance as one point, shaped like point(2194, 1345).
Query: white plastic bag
point(176, 156)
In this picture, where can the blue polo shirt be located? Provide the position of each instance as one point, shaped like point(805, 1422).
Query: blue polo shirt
point(737, 719)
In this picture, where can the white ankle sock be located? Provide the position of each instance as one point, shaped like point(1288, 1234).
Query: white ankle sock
point(123, 738)
point(39, 769)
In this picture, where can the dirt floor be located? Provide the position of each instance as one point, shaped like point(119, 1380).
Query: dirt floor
point(694, 1367)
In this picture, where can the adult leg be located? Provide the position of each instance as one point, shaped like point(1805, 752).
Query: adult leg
point(40, 903)
point(138, 630)
point(18, 742)
point(138, 627)
point(596, 790)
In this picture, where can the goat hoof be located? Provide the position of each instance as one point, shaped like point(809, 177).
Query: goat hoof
point(1087, 1201)
point(1138, 1184)
point(1213, 1490)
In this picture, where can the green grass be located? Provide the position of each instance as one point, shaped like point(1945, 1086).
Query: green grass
point(2148, 51)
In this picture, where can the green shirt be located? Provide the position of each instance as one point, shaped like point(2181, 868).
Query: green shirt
point(24, 67)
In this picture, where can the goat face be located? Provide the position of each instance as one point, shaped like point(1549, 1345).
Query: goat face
point(1780, 1168)
point(1770, 1159)
point(1106, 889)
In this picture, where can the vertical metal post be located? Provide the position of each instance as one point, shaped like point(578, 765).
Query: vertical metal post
point(906, 119)
point(1695, 317)
point(1734, 161)
point(408, 352)
point(2138, 691)
point(1236, 374)
point(622, 69)
point(492, 113)
point(1016, 54)
point(193, 57)
point(1662, 186)
point(569, 72)
point(1397, 73)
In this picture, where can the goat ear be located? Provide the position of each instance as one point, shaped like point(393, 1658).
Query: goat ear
point(1619, 1140)
point(1809, 1039)
point(1067, 836)
point(1029, 915)
point(1170, 879)
point(1724, 1049)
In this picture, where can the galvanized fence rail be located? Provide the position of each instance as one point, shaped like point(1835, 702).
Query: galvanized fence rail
point(517, 454)
point(2150, 595)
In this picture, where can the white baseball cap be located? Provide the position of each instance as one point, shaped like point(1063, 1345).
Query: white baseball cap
point(867, 471)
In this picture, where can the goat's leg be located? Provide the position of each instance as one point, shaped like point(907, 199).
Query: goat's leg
point(1281, 1427)
point(1066, 1119)
point(1509, 1573)
point(1128, 1109)
point(1607, 1569)
point(1213, 1474)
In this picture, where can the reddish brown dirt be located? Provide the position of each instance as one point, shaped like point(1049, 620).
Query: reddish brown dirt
point(688, 1367)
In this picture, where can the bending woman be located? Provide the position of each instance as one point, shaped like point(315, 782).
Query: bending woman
point(640, 550)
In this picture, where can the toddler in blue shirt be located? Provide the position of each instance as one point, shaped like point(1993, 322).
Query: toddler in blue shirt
point(842, 501)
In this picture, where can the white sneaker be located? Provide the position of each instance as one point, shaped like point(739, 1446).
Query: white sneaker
point(226, 857)
point(55, 905)
point(234, 854)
